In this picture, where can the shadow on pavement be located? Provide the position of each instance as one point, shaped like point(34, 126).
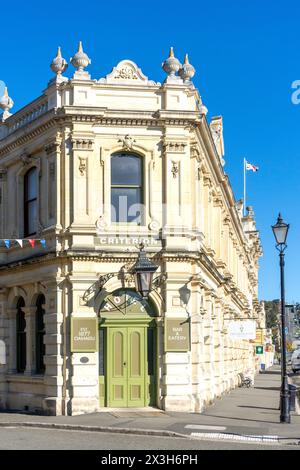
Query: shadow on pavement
point(257, 407)
point(242, 419)
point(268, 388)
point(271, 372)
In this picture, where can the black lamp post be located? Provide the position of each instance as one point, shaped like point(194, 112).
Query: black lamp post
point(143, 271)
point(280, 230)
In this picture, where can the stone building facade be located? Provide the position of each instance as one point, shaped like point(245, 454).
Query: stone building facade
point(62, 160)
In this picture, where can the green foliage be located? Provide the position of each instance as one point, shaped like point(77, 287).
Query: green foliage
point(272, 313)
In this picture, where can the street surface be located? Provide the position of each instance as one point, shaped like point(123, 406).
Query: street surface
point(45, 439)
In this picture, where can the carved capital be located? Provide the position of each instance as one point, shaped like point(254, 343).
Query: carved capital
point(51, 147)
point(174, 147)
point(82, 143)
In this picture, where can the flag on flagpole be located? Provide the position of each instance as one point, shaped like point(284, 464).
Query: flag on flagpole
point(20, 242)
point(249, 166)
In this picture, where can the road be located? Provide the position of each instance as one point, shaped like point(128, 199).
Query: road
point(46, 439)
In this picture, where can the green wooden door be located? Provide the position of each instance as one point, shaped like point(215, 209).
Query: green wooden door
point(127, 371)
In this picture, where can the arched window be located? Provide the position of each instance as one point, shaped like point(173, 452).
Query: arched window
point(127, 188)
point(21, 337)
point(40, 333)
point(30, 202)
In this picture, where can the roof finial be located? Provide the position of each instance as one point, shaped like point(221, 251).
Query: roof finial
point(187, 71)
point(171, 65)
point(6, 103)
point(80, 60)
point(58, 64)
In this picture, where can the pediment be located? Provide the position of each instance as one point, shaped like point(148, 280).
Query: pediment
point(128, 73)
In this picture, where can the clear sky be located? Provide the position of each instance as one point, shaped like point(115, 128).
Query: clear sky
point(246, 55)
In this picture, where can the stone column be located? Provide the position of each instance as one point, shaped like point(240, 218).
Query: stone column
point(53, 378)
point(12, 348)
point(84, 376)
point(3, 196)
point(52, 150)
point(30, 339)
point(197, 349)
point(177, 204)
point(4, 344)
point(177, 387)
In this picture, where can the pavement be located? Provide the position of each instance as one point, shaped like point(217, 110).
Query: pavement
point(249, 414)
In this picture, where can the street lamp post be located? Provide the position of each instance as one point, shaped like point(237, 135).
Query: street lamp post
point(280, 230)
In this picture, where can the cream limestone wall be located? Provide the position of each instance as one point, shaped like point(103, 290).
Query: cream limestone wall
point(195, 234)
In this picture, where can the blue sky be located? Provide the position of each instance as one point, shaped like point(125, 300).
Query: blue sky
point(246, 56)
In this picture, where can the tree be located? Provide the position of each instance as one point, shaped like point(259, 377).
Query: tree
point(272, 313)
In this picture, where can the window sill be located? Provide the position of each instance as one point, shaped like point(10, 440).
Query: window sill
point(23, 378)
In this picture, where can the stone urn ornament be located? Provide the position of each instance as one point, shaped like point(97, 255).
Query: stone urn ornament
point(187, 71)
point(6, 103)
point(171, 65)
point(59, 64)
point(80, 60)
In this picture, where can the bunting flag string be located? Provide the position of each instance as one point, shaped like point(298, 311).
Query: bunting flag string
point(22, 242)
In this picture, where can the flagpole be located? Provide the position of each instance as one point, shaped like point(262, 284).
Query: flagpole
point(244, 205)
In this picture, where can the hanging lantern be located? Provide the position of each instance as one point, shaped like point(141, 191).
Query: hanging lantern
point(143, 271)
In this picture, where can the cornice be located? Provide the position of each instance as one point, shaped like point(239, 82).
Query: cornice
point(26, 137)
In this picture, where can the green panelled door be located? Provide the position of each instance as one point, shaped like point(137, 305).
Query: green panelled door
point(127, 371)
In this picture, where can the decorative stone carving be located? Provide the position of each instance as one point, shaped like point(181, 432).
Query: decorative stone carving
point(80, 60)
point(187, 71)
point(171, 65)
point(82, 144)
point(174, 147)
point(216, 127)
point(127, 142)
point(51, 147)
point(25, 159)
point(82, 165)
point(154, 225)
point(101, 224)
point(6, 103)
point(175, 169)
point(127, 72)
point(59, 64)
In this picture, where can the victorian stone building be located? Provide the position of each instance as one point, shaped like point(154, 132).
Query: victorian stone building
point(88, 171)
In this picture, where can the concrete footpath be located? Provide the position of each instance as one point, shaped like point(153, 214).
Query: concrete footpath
point(243, 414)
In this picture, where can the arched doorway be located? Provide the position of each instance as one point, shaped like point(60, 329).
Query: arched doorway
point(127, 350)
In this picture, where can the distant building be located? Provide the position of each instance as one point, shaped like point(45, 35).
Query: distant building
point(88, 171)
